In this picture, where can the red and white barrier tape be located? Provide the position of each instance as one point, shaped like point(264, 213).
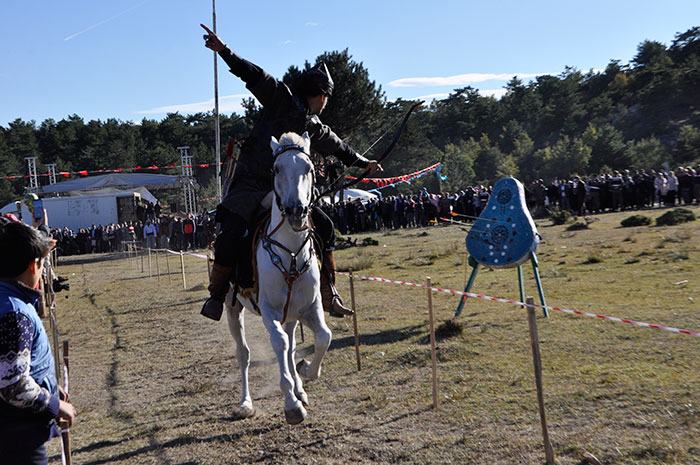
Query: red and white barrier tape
point(515, 302)
point(198, 255)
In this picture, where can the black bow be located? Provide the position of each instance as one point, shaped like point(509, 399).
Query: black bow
point(383, 157)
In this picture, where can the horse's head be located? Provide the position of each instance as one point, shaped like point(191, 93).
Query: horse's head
point(293, 175)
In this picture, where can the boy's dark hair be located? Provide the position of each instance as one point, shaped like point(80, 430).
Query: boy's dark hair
point(19, 246)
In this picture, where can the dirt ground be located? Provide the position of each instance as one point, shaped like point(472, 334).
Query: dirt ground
point(155, 383)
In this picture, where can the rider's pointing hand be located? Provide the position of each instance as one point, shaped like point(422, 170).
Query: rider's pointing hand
point(212, 41)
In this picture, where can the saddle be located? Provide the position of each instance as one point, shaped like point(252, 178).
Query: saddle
point(245, 273)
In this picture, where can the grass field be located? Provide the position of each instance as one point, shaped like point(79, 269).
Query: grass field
point(155, 383)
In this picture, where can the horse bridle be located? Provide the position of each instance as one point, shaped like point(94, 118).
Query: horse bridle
point(279, 151)
point(294, 272)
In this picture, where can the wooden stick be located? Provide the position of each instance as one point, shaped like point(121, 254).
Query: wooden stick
point(433, 352)
point(167, 262)
point(150, 273)
point(182, 266)
point(157, 265)
point(354, 321)
point(63, 424)
point(535, 342)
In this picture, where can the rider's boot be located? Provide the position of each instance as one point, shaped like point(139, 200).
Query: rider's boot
point(332, 302)
point(218, 288)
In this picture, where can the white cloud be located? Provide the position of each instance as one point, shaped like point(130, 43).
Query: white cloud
point(495, 93)
point(311, 24)
point(288, 42)
point(458, 80)
point(433, 96)
point(227, 104)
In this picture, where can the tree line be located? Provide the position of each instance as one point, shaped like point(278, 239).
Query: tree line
point(641, 115)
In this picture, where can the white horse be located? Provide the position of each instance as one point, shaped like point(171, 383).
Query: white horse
point(288, 280)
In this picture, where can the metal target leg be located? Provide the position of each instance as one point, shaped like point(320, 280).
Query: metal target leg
point(521, 285)
point(475, 265)
point(540, 290)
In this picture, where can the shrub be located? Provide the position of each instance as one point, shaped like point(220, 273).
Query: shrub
point(577, 226)
point(677, 216)
point(636, 220)
point(561, 217)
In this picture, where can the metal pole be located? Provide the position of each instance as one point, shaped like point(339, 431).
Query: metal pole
point(217, 137)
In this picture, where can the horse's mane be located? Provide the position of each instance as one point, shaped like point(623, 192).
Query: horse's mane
point(291, 138)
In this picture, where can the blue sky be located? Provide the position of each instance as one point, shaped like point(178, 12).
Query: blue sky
point(135, 59)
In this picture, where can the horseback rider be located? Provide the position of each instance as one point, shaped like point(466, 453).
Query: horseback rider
point(284, 110)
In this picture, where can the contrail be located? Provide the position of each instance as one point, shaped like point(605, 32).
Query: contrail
point(72, 36)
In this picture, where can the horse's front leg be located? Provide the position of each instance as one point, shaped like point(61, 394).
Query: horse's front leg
point(290, 329)
point(322, 340)
point(294, 411)
point(236, 326)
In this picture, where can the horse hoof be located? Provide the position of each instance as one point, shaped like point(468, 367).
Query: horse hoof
point(303, 398)
point(241, 413)
point(303, 369)
point(295, 416)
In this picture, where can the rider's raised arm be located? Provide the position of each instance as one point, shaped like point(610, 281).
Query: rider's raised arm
point(262, 85)
point(326, 142)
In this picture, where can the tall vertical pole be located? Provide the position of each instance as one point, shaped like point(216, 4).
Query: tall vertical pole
point(217, 137)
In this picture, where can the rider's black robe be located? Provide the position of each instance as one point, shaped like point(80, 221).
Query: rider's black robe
point(283, 111)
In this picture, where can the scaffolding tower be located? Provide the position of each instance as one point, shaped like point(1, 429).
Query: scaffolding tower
point(52, 173)
point(33, 180)
point(188, 181)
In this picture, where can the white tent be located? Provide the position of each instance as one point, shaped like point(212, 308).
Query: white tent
point(353, 194)
point(145, 193)
point(115, 180)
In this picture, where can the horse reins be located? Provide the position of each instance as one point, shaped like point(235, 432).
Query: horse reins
point(294, 273)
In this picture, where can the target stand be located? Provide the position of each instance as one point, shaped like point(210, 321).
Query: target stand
point(504, 236)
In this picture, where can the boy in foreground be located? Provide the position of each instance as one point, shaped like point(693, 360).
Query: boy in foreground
point(30, 398)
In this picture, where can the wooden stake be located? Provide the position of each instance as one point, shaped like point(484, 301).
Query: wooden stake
point(433, 352)
point(167, 263)
point(150, 272)
point(63, 424)
point(157, 265)
point(182, 266)
point(354, 321)
point(535, 342)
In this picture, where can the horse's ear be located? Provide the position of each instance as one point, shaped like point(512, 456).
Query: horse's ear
point(273, 143)
point(307, 139)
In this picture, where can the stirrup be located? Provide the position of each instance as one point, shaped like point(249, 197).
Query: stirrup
point(213, 308)
point(338, 310)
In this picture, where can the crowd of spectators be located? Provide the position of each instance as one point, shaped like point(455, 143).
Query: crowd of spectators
point(166, 231)
point(617, 191)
